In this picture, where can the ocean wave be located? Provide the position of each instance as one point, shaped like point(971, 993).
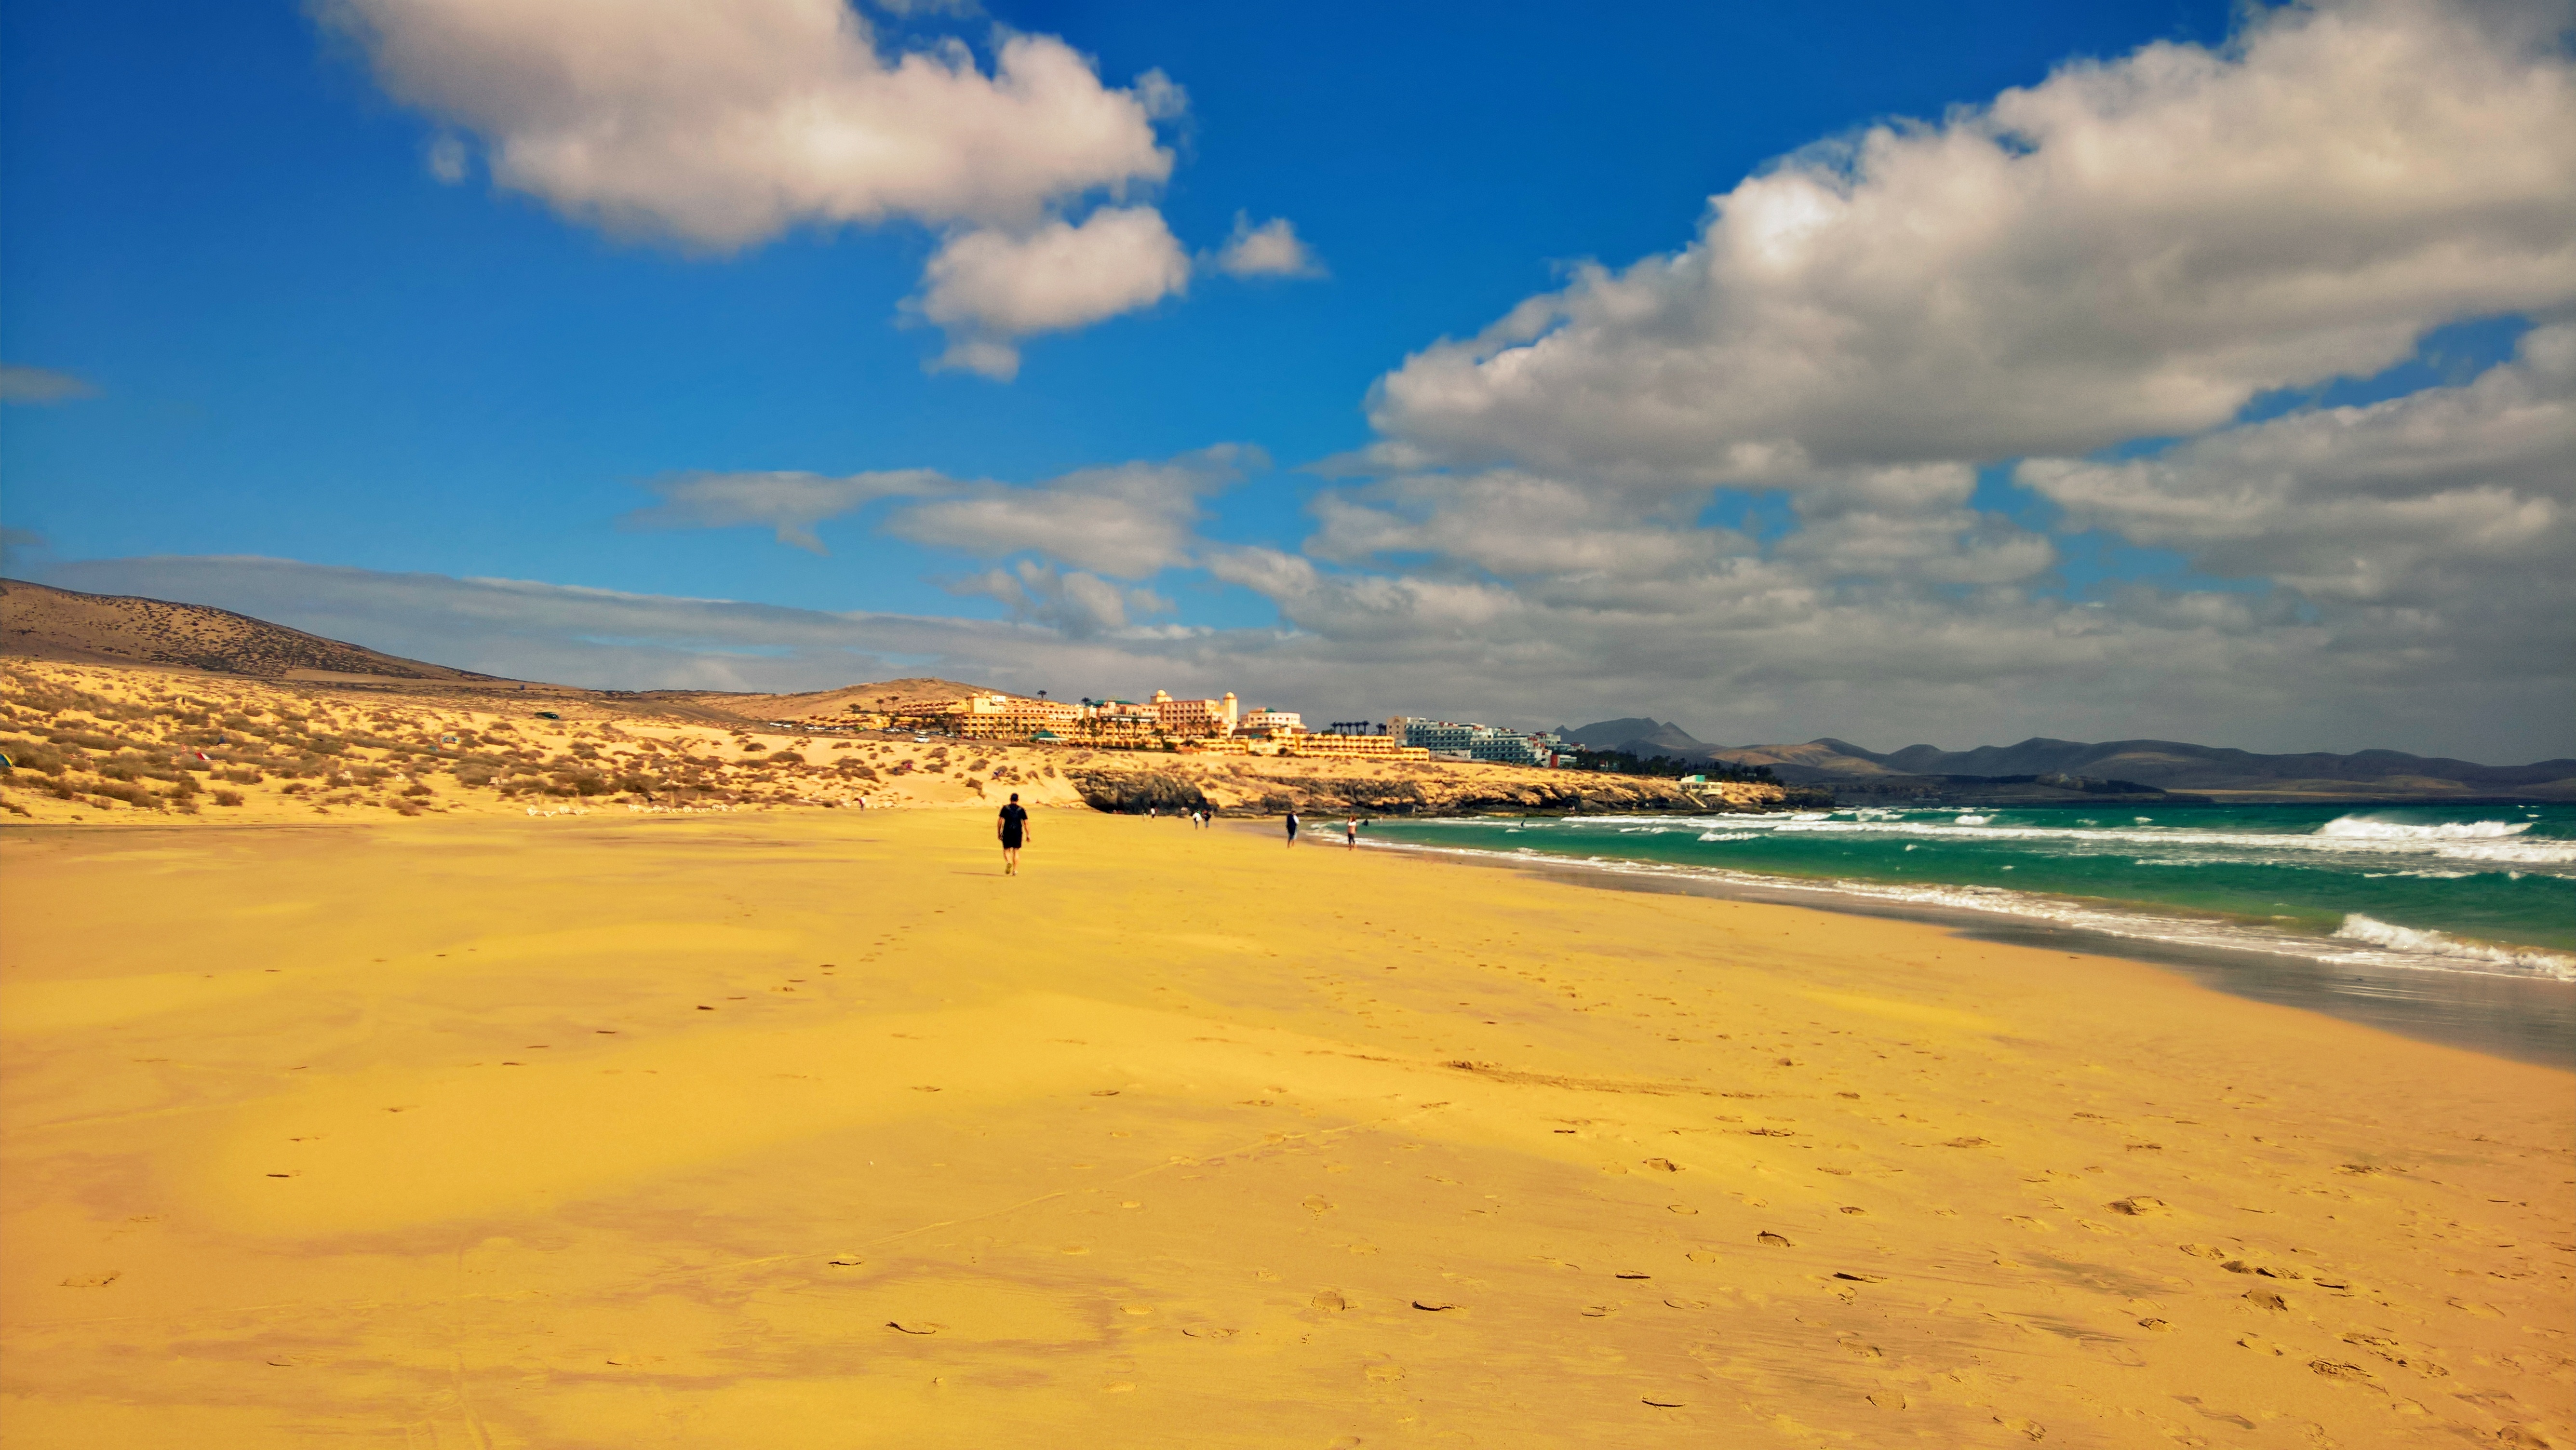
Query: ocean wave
point(2498, 842)
point(2414, 941)
point(2371, 828)
point(2361, 941)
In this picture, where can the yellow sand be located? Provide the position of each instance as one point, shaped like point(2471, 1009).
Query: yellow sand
point(423, 1134)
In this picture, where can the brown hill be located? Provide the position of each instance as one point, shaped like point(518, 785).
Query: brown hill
point(879, 695)
point(38, 621)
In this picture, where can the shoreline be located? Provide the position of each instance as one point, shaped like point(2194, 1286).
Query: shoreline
point(2516, 1017)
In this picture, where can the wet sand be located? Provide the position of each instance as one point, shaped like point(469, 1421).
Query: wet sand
point(809, 1129)
point(2529, 1018)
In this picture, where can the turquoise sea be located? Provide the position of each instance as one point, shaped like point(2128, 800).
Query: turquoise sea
point(2458, 889)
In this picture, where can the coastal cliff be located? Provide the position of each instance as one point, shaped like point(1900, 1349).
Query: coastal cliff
point(1271, 787)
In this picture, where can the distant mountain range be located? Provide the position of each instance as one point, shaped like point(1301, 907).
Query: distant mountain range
point(2041, 768)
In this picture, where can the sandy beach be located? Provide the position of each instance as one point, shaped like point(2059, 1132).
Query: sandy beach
point(808, 1128)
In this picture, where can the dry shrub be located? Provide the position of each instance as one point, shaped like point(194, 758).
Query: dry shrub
point(228, 798)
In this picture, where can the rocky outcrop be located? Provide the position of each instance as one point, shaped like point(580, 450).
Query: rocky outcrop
point(1420, 791)
point(1134, 792)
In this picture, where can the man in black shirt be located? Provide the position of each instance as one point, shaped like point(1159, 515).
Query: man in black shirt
point(1013, 828)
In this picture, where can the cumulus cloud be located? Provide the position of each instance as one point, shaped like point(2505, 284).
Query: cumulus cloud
point(721, 126)
point(2439, 501)
point(1272, 249)
point(2126, 249)
point(22, 384)
point(991, 286)
point(787, 502)
point(1128, 520)
point(1079, 604)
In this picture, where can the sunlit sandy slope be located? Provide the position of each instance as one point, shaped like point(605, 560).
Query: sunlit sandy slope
point(811, 1129)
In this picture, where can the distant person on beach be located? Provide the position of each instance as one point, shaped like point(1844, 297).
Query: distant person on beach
point(1351, 832)
point(1012, 827)
point(1292, 828)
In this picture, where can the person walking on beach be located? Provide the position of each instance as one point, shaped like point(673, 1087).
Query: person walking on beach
point(1351, 832)
point(1012, 829)
point(1292, 828)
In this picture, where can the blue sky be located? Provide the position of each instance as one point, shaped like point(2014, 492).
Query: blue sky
point(289, 340)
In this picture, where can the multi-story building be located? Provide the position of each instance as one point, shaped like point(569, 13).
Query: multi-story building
point(1196, 717)
point(1007, 717)
point(1367, 747)
point(1273, 722)
point(1475, 742)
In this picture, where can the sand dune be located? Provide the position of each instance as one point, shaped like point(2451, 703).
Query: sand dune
point(117, 744)
point(810, 1130)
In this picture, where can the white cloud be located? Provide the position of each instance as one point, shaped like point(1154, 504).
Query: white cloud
point(22, 384)
point(719, 126)
point(723, 125)
point(2439, 501)
point(2126, 249)
point(1272, 249)
point(991, 286)
point(1081, 605)
point(1127, 520)
point(790, 503)
point(447, 159)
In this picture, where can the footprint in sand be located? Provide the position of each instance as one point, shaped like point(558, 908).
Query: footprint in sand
point(845, 1261)
point(1777, 1241)
point(1662, 1404)
point(1663, 1165)
point(1330, 1301)
point(1316, 1203)
point(2032, 1428)
point(1887, 1399)
point(914, 1326)
point(94, 1281)
point(1433, 1306)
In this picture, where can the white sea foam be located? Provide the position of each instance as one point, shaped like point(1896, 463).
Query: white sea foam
point(2493, 842)
point(2371, 828)
point(2442, 946)
point(2360, 942)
